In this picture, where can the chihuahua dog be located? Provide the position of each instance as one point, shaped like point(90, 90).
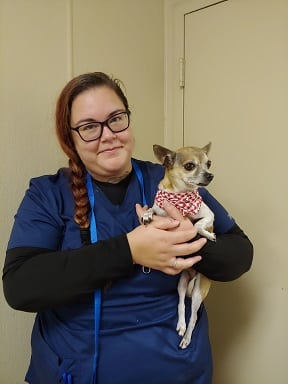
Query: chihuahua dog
point(186, 169)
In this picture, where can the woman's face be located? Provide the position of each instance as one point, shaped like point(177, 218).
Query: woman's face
point(109, 157)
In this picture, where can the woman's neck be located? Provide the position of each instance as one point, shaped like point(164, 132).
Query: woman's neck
point(115, 179)
point(111, 178)
point(115, 192)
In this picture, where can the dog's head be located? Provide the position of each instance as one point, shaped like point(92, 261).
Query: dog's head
point(186, 169)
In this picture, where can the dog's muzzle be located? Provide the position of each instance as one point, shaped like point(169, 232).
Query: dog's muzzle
point(208, 178)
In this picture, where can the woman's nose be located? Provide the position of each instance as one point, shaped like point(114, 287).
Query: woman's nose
point(107, 133)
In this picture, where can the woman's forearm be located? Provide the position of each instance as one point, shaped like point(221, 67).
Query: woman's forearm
point(36, 279)
point(228, 257)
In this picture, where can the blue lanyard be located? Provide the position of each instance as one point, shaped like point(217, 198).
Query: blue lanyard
point(67, 378)
point(94, 239)
point(97, 293)
point(140, 179)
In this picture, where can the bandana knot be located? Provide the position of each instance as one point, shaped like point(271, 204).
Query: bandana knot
point(188, 203)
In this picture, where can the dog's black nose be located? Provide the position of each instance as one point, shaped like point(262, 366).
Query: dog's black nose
point(209, 176)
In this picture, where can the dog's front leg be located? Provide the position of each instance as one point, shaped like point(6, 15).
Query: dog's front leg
point(182, 290)
point(147, 216)
point(206, 218)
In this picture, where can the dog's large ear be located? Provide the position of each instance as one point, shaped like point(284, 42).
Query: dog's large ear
point(207, 147)
point(164, 155)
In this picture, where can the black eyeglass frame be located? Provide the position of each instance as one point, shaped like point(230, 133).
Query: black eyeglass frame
point(102, 124)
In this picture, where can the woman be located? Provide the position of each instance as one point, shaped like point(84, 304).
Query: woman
point(105, 287)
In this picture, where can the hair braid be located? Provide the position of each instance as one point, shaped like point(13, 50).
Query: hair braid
point(79, 190)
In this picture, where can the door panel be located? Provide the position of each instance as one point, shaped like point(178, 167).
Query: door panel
point(210, 81)
point(235, 95)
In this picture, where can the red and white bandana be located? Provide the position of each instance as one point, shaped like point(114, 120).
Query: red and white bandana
point(188, 203)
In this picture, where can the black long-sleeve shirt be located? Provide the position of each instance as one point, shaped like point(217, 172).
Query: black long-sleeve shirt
point(35, 279)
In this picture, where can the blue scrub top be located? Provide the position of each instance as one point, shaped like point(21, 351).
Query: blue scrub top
point(138, 342)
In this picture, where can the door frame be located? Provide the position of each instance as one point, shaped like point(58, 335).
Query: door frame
point(174, 66)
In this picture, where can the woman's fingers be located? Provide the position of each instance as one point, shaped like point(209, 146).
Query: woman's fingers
point(172, 211)
point(179, 264)
point(159, 222)
point(157, 249)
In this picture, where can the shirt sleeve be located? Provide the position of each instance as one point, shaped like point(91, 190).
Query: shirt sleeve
point(36, 279)
point(40, 219)
point(228, 257)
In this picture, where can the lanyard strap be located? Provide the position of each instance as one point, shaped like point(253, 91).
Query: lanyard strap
point(140, 179)
point(97, 293)
point(94, 239)
point(67, 378)
point(145, 270)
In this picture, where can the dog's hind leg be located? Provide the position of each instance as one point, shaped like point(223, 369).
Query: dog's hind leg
point(196, 300)
point(184, 281)
point(182, 289)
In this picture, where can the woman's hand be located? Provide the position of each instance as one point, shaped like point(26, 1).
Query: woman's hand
point(160, 244)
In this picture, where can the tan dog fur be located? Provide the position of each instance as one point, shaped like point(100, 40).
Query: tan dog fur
point(185, 170)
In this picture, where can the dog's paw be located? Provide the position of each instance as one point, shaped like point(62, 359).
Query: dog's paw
point(186, 340)
point(181, 327)
point(147, 216)
point(209, 235)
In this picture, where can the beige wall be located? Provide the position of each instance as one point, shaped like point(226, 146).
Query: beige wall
point(42, 44)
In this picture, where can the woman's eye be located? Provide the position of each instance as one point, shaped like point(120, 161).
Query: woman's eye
point(189, 166)
point(89, 127)
point(116, 119)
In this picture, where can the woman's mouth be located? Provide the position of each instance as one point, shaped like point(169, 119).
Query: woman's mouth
point(109, 150)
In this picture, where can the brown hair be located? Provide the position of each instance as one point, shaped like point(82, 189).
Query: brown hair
point(63, 115)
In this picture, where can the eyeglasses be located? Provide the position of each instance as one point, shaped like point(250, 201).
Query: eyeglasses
point(93, 130)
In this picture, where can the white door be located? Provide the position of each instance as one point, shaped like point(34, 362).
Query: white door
point(219, 97)
point(235, 95)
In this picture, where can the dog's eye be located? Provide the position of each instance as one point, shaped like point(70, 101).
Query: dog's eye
point(208, 164)
point(189, 166)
